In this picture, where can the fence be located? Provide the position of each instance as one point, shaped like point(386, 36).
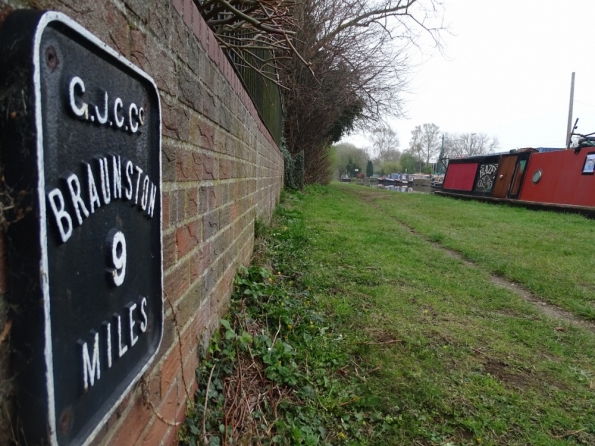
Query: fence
point(257, 75)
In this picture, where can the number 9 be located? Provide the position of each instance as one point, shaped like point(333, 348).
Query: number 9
point(116, 243)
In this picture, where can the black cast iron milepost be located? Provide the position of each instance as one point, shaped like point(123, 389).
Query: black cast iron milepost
point(80, 137)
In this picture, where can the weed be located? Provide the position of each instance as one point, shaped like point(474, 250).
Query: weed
point(260, 227)
point(350, 329)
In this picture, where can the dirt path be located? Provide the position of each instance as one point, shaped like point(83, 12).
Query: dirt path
point(552, 311)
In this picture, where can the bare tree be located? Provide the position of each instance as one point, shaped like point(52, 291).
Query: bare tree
point(415, 146)
point(385, 144)
point(339, 61)
point(425, 142)
point(469, 144)
point(248, 25)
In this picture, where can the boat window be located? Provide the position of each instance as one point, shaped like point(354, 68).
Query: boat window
point(536, 177)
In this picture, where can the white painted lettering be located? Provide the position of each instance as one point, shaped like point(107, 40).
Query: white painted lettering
point(117, 245)
point(74, 186)
point(102, 119)
point(76, 109)
point(125, 116)
point(117, 170)
point(129, 172)
point(108, 339)
point(152, 200)
point(133, 122)
point(144, 322)
point(139, 171)
point(121, 348)
point(118, 106)
point(131, 323)
point(91, 366)
point(63, 219)
point(145, 197)
point(104, 180)
point(93, 195)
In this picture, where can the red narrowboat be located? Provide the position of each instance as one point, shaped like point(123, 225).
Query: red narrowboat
point(543, 178)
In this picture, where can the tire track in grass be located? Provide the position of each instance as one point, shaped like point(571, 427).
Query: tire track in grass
point(552, 311)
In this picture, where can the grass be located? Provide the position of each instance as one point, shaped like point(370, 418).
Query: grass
point(547, 252)
point(381, 337)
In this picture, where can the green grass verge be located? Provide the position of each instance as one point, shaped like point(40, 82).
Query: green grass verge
point(377, 336)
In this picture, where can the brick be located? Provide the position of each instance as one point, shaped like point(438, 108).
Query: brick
point(197, 20)
point(204, 36)
point(136, 421)
point(206, 163)
point(213, 47)
point(190, 94)
point(161, 19)
point(176, 282)
point(190, 336)
point(170, 368)
point(224, 116)
point(223, 196)
point(234, 211)
point(178, 6)
point(199, 262)
point(176, 207)
point(203, 198)
point(224, 217)
point(218, 245)
point(168, 163)
point(145, 52)
point(188, 13)
point(188, 237)
point(214, 197)
point(172, 435)
point(211, 225)
point(169, 250)
point(187, 307)
point(140, 8)
point(224, 169)
point(156, 432)
point(153, 386)
point(186, 167)
point(190, 367)
point(191, 203)
point(171, 403)
point(175, 120)
point(210, 280)
point(194, 56)
point(210, 106)
point(117, 24)
point(207, 135)
point(179, 40)
point(194, 137)
point(169, 334)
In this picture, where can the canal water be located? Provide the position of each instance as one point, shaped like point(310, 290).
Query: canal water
point(408, 189)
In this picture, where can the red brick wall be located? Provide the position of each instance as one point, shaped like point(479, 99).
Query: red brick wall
point(221, 170)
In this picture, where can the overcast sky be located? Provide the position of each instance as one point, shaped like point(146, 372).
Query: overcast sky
point(506, 71)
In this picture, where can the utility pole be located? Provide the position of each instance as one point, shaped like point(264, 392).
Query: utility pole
point(568, 128)
point(440, 169)
point(471, 139)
